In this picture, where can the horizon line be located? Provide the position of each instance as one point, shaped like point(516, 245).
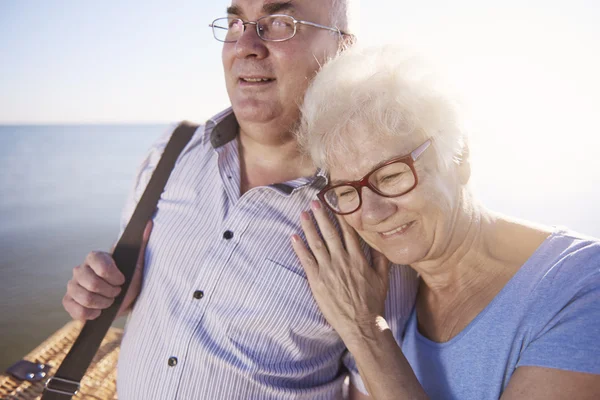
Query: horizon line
point(66, 123)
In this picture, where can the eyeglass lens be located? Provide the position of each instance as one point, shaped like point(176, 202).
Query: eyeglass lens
point(272, 27)
point(391, 180)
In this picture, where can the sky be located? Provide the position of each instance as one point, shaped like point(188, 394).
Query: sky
point(156, 61)
point(526, 72)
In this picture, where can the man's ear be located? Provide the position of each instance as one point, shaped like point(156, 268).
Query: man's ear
point(464, 166)
point(347, 41)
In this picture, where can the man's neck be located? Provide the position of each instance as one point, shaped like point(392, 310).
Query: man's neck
point(269, 155)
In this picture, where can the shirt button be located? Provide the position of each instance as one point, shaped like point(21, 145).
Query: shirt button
point(227, 235)
point(172, 361)
point(198, 294)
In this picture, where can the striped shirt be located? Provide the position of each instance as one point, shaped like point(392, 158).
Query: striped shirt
point(225, 310)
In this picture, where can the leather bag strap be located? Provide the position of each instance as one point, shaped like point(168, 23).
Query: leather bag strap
point(65, 383)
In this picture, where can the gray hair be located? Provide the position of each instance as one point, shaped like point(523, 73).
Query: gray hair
point(344, 15)
point(384, 89)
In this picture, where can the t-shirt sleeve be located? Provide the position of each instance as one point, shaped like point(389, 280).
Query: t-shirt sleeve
point(142, 177)
point(570, 340)
point(355, 378)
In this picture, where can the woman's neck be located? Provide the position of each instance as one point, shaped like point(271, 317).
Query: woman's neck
point(484, 252)
point(463, 258)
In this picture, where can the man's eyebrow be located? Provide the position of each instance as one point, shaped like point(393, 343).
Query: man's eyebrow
point(274, 8)
point(270, 8)
point(234, 10)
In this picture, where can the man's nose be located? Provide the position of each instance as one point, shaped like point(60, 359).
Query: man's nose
point(375, 208)
point(250, 44)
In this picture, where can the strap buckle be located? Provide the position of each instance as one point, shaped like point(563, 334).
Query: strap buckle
point(65, 386)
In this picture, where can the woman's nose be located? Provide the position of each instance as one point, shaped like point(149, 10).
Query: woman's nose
point(375, 208)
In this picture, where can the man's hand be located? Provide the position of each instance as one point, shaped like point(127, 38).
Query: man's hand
point(97, 282)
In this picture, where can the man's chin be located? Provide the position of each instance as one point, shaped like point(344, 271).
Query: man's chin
point(252, 110)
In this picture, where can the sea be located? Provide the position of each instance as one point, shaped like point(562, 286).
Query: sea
point(62, 189)
point(63, 186)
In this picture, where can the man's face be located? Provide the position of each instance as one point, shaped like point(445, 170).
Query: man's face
point(266, 81)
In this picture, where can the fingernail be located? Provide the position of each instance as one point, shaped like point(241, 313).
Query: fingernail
point(305, 216)
point(315, 204)
point(295, 238)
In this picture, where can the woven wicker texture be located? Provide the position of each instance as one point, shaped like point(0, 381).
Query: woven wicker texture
point(99, 382)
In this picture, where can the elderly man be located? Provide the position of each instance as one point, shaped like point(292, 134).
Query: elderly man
point(226, 311)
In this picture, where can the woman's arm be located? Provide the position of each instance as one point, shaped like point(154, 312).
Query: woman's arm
point(549, 384)
point(382, 365)
point(351, 294)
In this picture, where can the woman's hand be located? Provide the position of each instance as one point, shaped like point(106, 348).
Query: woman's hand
point(350, 292)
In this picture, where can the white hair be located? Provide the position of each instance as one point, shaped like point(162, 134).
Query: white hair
point(344, 15)
point(385, 90)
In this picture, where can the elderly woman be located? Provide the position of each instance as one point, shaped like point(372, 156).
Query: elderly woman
point(505, 308)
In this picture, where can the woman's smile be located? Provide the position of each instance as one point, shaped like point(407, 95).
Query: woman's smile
point(399, 231)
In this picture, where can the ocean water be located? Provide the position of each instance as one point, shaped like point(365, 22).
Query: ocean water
point(62, 189)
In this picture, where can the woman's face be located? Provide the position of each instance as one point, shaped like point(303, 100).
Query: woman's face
point(406, 229)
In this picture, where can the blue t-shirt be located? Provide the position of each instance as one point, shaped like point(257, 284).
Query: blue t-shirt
point(547, 315)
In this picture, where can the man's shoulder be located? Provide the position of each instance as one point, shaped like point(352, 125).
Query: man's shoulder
point(157, 148)
point(161, 142)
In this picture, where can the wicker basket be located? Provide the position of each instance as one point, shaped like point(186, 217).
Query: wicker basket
point(99, 382)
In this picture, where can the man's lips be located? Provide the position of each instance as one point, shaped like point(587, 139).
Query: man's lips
point(255, 79)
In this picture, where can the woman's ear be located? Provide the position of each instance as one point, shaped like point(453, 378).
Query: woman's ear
point(464, 166)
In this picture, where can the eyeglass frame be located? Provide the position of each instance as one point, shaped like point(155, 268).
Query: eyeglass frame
point(255, 23)
point(408, 159)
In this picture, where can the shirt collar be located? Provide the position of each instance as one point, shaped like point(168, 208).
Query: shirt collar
point(223, 128)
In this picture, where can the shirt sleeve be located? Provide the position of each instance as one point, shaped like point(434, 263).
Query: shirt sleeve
point(355, 378)
point(569, 341)
point(142, 177)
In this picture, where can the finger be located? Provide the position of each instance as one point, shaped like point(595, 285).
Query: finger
point(350, 237)
point(104, 266)
point(330, 234)
point(86, 298)
point(306, 258)
point(313, 239)
point(381, 264)
point(85, 277)
point(78, 312)
point(146, 236)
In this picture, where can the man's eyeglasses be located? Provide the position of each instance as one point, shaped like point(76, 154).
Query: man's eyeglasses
point(394, 178)
point(272, 28)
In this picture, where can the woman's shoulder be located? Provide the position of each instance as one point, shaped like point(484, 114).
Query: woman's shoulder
point(563, 312)
point(564, 271)
point(570, 253)
point(556, 259)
